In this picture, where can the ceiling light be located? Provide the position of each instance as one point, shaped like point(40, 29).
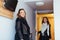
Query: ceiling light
point(39, 3)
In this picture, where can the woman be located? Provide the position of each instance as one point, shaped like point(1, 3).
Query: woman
point(45, 33)
point(22, 28)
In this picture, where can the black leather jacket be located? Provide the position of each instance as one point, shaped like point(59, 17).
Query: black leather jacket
point(22, 27)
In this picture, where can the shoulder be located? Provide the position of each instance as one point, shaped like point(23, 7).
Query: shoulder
point(17, 19)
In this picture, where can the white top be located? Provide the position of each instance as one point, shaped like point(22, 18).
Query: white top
point(44, 27)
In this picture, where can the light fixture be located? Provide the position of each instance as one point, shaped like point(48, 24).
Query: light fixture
point(39, 3)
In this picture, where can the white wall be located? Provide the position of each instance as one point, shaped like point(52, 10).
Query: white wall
point(57, 19)
point(6, 29)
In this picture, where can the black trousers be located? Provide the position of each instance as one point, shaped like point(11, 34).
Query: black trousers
point(44, 38)
point(17, 37)
point(26, 37)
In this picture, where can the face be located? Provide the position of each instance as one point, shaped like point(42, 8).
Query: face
point(45, 20)
point(22, 13)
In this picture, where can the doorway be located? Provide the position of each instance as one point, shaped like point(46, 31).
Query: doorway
point(39, 21)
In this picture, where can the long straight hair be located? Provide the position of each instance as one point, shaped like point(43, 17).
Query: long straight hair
point(19, 13)
point(47, 20)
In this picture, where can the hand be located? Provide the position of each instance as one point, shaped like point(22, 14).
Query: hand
point(29, 35)
point(49, 39)
point(22, 39)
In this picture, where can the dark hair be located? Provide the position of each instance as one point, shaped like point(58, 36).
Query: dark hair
point(47, 20)
point(19, 13)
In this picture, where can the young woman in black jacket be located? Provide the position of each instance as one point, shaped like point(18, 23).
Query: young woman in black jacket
point(22, 27)
point(45, 33)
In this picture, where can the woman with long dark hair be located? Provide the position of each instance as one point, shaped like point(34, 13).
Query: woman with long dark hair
point(22, 27)
point(45, 33)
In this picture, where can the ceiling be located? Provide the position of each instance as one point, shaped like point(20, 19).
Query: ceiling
point(48, 5)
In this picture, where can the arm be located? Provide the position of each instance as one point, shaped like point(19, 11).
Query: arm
point(17, 27)
point(28, 27)
point(48, 31)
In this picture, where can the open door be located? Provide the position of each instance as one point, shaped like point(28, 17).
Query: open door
point(39, 23)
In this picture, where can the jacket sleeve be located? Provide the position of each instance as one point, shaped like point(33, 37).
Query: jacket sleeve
point(49, 31)
point(18, 30)
point(28, 27)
